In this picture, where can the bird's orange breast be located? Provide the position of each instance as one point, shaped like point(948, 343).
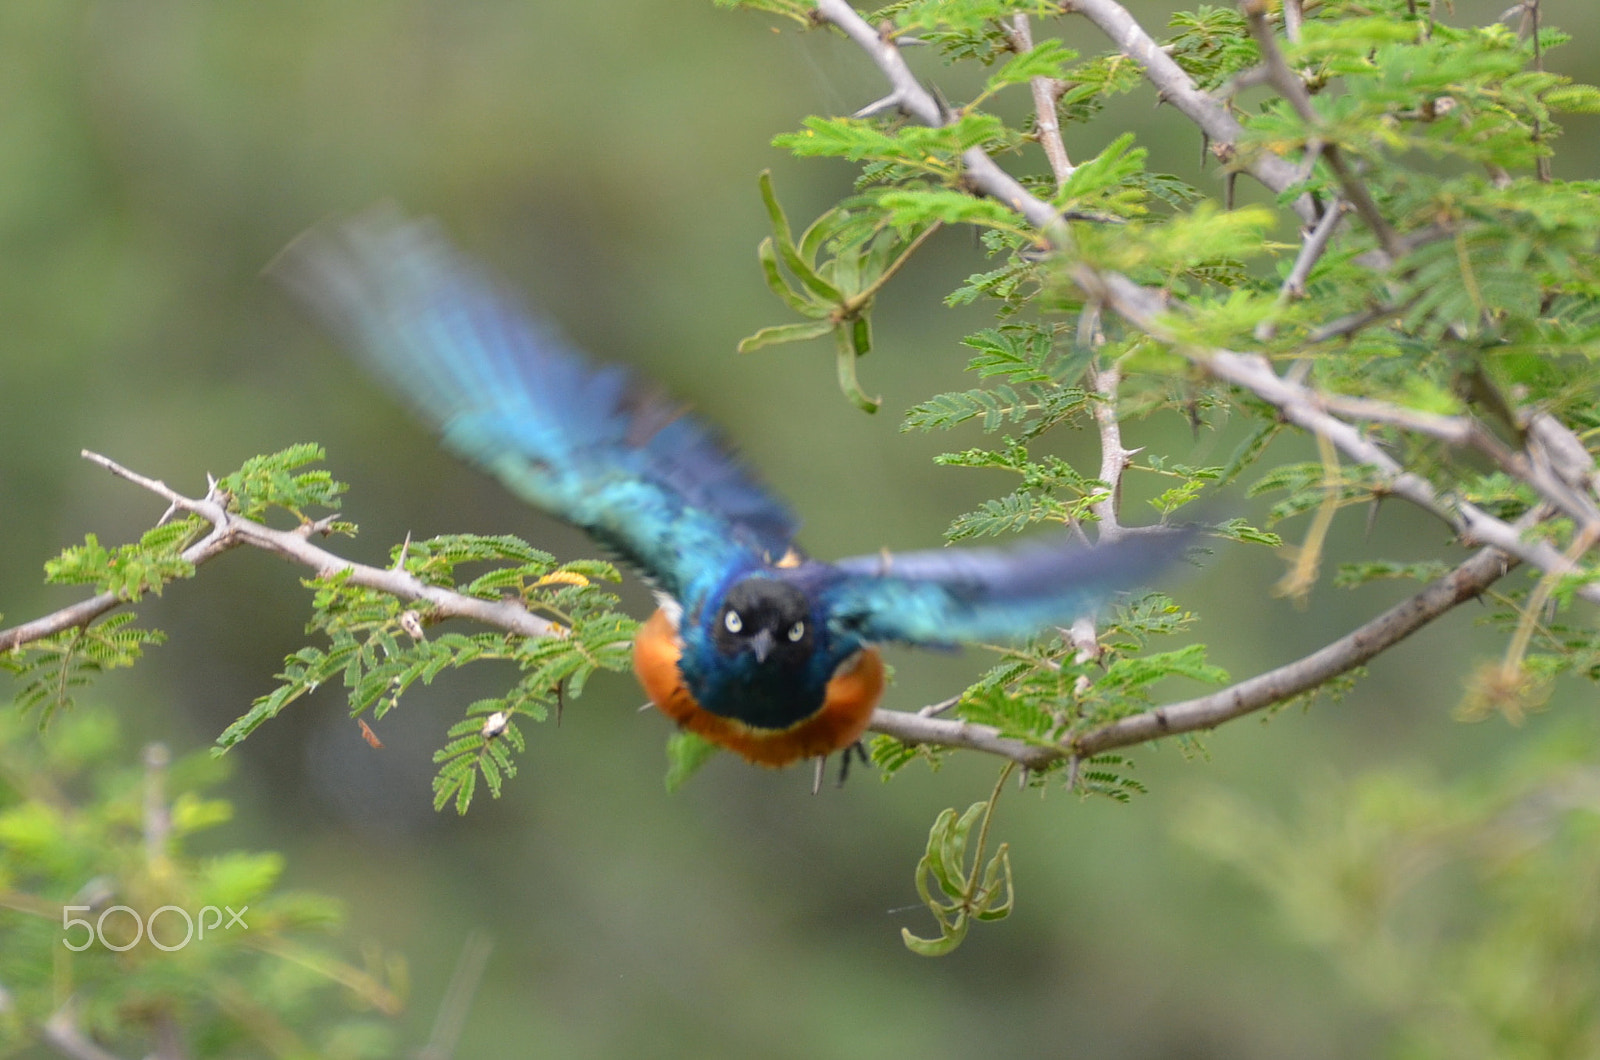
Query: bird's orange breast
point(838, 723)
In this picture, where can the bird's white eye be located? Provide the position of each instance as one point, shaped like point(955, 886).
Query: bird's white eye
point(797, 631)
point(733, 621)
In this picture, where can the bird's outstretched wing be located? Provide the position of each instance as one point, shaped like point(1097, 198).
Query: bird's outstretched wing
point(579, 440)
point(949, 595)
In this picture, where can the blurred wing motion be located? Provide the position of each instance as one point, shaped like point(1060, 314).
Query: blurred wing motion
point(580, 441)
point(950, 595)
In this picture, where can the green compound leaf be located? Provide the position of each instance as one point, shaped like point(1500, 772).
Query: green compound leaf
point(271, 482)
point(981, 891)
point(53, 669)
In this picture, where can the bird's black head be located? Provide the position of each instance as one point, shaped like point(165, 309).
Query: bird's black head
point(766, 617)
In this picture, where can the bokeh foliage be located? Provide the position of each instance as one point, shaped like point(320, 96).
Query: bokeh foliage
point(117, 928)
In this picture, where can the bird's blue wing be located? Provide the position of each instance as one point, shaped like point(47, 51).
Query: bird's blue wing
point(579, 440)
point(950, 595)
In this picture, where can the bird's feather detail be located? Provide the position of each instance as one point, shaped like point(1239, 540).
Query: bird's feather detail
point(581, 441)
point(945, 596)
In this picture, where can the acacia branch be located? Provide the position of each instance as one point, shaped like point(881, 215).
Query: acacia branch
point(230, 530)
point(1178, 88)
point(1046, 90)
point(1146, 309)
point(908, 94)
point(1341, 656)
point(1305, 408)
point(1293, 89)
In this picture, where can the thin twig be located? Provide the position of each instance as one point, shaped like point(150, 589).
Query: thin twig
point(1113, 457)
point(1530, 24)
point(1347, 325)
point(970, 899)
point(1311, 251)
point(1288, 83)
point(1312, 248)
point(1176, 87)
point(1046, 90)
point(1143, 308)
point(980, 170)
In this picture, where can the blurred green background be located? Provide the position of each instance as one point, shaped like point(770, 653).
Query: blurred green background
point(155, 156)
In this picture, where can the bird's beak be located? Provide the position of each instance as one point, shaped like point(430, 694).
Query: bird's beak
point(761, 644)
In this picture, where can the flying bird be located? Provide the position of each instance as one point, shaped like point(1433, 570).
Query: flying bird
point(755, 646)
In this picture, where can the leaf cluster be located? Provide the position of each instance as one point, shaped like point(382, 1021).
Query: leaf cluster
point(277, 481)
point(52, 669)
point(378, 647)
point(837, 267)
point(129, 571)
point(1481, 298)
point(965, 895)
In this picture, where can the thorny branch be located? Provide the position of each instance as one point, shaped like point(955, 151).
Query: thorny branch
point(1145, 308)
point(1046, 90)
point(1289, 85)
point(1555, 462)
point(1207, 712)
point(920, 727)
point(230, 530)
point(1178, 88)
